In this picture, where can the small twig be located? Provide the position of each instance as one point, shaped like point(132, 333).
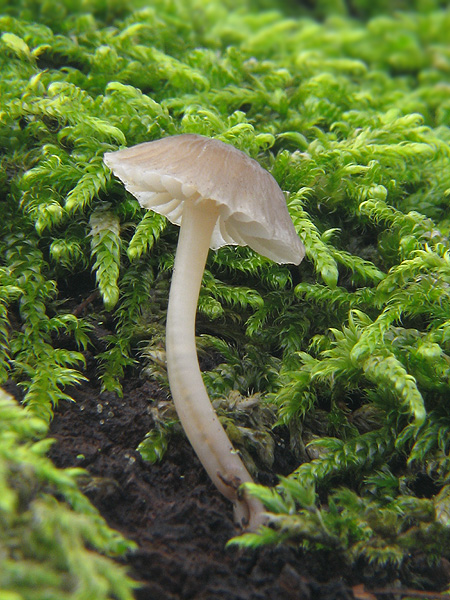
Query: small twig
point(80, 308)
point(411, 593)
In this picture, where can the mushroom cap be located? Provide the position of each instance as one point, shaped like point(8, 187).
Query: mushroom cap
point(165, 173)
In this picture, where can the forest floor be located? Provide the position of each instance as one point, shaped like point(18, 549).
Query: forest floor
point(179, 521)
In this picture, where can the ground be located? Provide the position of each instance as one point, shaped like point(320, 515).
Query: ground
point(171, 510)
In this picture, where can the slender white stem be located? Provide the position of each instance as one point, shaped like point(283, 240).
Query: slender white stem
point(192, 403)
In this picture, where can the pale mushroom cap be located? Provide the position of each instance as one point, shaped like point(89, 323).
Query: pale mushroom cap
point(165, 173)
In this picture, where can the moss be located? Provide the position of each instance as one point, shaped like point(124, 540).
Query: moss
point(346, 103)
point(52, 539)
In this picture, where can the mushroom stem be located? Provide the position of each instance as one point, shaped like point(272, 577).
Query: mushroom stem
point(194, 408)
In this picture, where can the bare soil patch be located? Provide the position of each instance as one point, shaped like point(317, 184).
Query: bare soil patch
point(172, 511)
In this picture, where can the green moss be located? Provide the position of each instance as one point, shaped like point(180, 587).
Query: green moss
point(347, 105)
point(51, 536)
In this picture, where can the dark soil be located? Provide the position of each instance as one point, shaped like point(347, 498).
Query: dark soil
point(171, 510)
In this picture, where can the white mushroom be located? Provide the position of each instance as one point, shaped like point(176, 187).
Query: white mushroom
point(218, 195)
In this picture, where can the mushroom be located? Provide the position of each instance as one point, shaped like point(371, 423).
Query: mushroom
point(218, 196)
